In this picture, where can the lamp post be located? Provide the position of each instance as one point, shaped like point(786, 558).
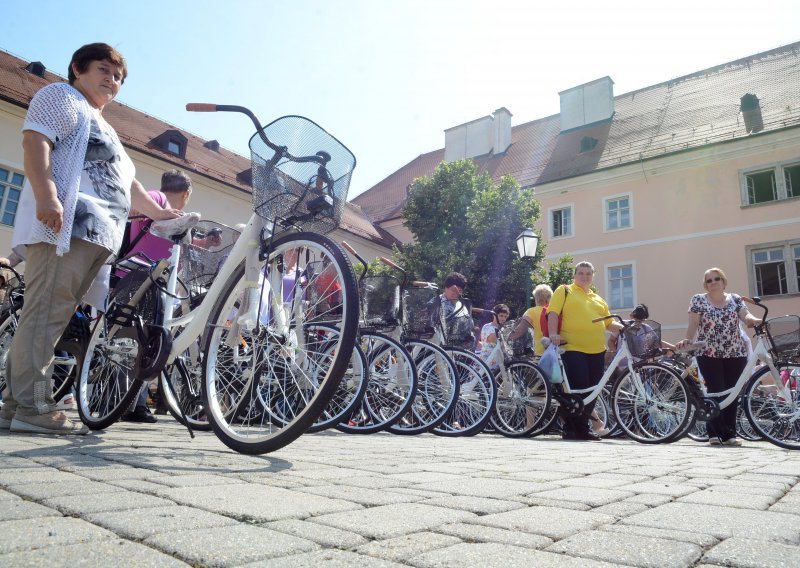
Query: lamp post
point(527, 241)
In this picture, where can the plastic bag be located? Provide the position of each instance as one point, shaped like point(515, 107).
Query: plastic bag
point(551, 365)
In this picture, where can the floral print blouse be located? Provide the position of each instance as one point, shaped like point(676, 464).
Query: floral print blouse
point(719, 327)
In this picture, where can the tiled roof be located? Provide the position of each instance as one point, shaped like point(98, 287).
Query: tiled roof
point(136, 129)
point(677, 115)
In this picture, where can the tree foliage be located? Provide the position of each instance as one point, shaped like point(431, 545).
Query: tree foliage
point(464, 221)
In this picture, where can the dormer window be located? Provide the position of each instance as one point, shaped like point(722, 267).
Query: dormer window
point(172, 142)
point(588, 144)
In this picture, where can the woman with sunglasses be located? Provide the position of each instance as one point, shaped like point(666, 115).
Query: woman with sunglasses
point(714, 318)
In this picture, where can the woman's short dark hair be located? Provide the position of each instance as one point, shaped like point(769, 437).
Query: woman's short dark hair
point(175, 181)
point(640, 312)
point(95, 52)
point(455, 279)
point(501, 309)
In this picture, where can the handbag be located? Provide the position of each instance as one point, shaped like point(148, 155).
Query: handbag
point(543, 316)
point(551, 365)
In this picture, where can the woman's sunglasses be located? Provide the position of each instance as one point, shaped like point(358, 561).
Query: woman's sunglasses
point(715, 279)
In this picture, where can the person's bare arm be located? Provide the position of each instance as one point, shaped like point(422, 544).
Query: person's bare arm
point(691, 331)
point(142, 203)
point(37, 150)
point(523, 325)
point(552, 328)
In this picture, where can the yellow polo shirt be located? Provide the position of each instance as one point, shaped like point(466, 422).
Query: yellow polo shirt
point(534, 316)
point(577, 328)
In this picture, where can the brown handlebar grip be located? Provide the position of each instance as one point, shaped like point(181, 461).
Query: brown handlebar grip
point(348, 248)
point(480, 311)
point(749, 300)
point(388, 262)
point(595, 320)
point(420, 284)
point(201, 107)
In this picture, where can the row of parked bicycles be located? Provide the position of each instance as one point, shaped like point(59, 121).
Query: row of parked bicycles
point(270, 334)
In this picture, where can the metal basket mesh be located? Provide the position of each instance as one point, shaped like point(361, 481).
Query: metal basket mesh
point(785, 334)
point(14, 295)
point(644, 339)
point(416, 318)
point(459, 326)
point(282, 192)
point(202, 258)
point(381, 295)
point(520, 346)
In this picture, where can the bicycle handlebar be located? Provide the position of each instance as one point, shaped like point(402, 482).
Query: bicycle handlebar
point(691, 347)
point(421, 284)
point(390, 263)
point(363, 262)
point(11, 268)
point(616, 316)
point(348, 248)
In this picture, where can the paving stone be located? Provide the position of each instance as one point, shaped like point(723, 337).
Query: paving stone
point(362, 495)
point(106, 553)
point(400, 548)
point(13, 509)
point(142, 523)
point(787, 480)
point(534, 499)
point(603, 480)
point(621, 509)
point(259, 503)
point(497, 489)
point(700, 539)
point(592, 496)
point(789, 504)
point(80, 505)
point(120, 472)
point(493, 555)
point(13, 462)
point(321, 534)
point(41, 491)
point(670, 489)
point(548, 521)
point(18, 476)
point(789, 469)
point(477, 505)
point(43, 532)
point(480, 533)
point(327, 558)
point(393, 520)
point(204, 480)
point(649, 499)
point(419, 492)
point(419, 477)
point(140, 485)
point(649, 471)
point(540, 476)
point(749, 553)
point(721, 522)
point(228, 545)
point(636, 550)
point(6, 496)
point(729, 499)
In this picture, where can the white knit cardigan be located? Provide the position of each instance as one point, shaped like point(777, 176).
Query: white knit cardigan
point(60, 112)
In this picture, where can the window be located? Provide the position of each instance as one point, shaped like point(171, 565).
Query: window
point(775, 268)
point(561, 222)
point(174, 146)
point(620, 286)
point(11, 183)
point(618, 213)
point(774, 183)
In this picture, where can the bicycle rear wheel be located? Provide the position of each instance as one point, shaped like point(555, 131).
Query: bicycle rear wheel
point(651, 404)
point(476, 399)
point(265, 386)
point(523, 397)
point(437, 389)
point(772, 404)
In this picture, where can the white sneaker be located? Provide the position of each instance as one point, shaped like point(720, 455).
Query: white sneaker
point(66, 403)
point(732, 442)
point(714, 442)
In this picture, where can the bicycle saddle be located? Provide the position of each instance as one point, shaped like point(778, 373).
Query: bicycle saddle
point(168, 228)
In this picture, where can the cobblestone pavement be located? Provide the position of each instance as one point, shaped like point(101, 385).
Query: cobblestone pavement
point(150, 496)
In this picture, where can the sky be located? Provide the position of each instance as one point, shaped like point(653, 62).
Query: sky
point(387, 78)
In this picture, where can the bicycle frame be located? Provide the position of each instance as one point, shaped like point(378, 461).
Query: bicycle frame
point(593, 392)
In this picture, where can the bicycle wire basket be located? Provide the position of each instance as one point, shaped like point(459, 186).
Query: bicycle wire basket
point(14, 295)
point(416, 316)
point(521, 346)
point(459, 326)
point(644, 339)
point(381, 301)
point(203, 255)
point(784, 331)
point(282, 192)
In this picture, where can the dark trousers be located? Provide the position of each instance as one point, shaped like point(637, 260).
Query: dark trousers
point(721, 374)
point(584, 370)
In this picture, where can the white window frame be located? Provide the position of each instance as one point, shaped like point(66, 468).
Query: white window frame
point(606, 199)
point(4, 200)
point(607, 276)
point(551, 228)
point(777, 170)
point(788, 246)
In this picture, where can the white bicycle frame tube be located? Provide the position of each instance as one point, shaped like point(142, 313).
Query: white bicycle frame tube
point(245, 248)
point(760, 352)
point(593, 392)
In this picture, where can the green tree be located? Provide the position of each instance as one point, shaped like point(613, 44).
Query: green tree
point(464, 221)
point(559, 272)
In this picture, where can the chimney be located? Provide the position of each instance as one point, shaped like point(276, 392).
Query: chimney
point(587, 104)
point(485, 135)
point(751, 112)
point(212, 145)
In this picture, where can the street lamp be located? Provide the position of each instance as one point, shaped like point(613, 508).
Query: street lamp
point(527, 241)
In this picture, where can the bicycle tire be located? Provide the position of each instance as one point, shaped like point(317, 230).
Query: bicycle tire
point(476, 399)
point(652, 405)
point(774, 416)
point(8, 327)
point(251, 377)
point(522, 401)
point(348, 394)
point(391, 385)
point(744, 429)
point(548, 423)
point(437, 389)
point(109, 378)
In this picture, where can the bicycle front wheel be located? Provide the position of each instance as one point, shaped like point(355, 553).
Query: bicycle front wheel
point(476, 399)
point(523, 397)
point(651, 404)
point(772, 404)
point(265, 385)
